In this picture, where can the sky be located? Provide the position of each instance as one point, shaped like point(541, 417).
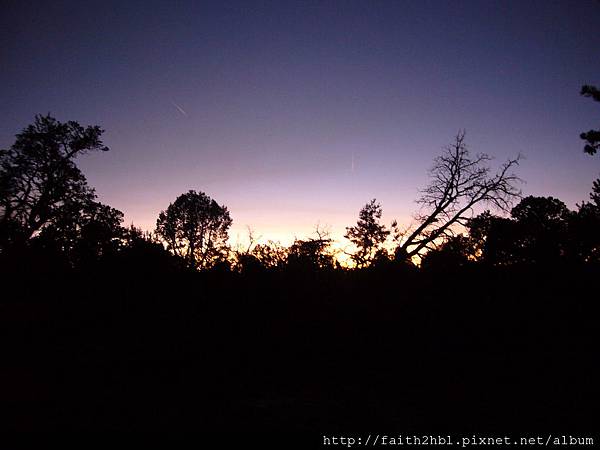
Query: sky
point(297, 113)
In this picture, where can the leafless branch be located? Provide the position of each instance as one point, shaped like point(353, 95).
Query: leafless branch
point(459, 183)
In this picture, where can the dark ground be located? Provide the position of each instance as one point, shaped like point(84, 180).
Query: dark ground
point(398, 351)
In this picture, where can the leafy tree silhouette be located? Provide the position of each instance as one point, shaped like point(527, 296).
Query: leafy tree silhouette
point(584, 240)
point(541, 230)
point(195, 228)
point(311, 253)
point(536, 233)
point(271, 255)
point(595, 194)
point(592, 137)
point(368, 235)
point(542, 226)
point(453, 253)
point(141, 251)
point(39, 180)
point(83, 233)
point(492, 238)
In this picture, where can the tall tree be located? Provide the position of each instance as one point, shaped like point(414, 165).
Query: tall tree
point(195, 228)
point(368, 235)
point(592, 137)
point(39, 179)
point(459, 183)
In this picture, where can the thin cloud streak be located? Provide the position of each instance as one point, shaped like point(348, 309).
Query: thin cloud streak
point(179, 108)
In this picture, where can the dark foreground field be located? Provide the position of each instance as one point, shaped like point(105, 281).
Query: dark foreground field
point(397, 351)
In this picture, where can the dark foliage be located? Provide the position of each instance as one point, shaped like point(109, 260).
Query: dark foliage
point(453, 254)
point(194, 227)
point(592, 137)
point(82, 234)
point(368, 235)
point(310, 254)
point(541, 230)
point(39, 181)
point(142, 253)
point(262, 257)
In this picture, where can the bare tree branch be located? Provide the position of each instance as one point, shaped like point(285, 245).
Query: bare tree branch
point(459, 183)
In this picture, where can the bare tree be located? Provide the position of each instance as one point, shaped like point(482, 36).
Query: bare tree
point(244, 256)
point(459, 183)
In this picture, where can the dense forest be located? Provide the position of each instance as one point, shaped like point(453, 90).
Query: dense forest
point(480, 317)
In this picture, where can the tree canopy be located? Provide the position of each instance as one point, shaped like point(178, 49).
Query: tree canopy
point(83, 233)
point(540, 230)
point(195, 227)
point(40, 183)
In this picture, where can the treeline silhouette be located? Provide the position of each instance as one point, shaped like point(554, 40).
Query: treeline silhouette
point(111, 327)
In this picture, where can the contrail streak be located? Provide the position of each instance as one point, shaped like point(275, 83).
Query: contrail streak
point(179, 108)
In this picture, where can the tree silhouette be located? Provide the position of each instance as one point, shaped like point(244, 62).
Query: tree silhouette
point(311, 253)
point(39, 180)
point(259, 257)
point(83, 233)
point(592, 137)
point(271, 255)
point(492, 238)
point(537, 232)
point(541, 211)
point(595, 194)
point(459, 183)
point(195, 227)
point(368, 235)
point(542, 226)
point(142, 251)
point(453, 253)
point(584, 239)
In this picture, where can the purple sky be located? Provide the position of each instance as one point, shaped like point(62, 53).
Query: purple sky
point(264, 105)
